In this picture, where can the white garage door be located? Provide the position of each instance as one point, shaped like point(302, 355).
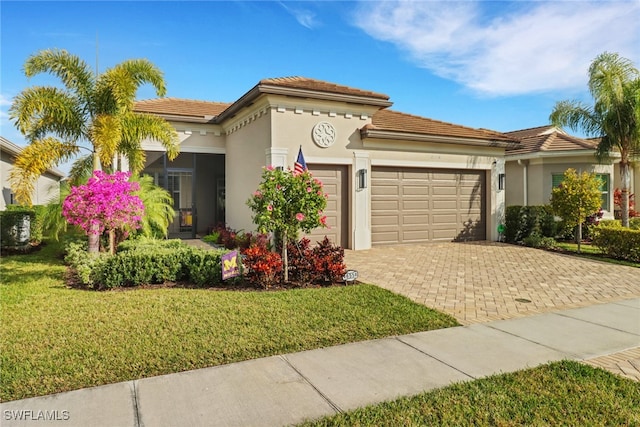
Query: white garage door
point(414, 205)
point(334, 179)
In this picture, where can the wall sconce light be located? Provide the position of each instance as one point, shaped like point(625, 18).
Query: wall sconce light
point(362, 179)
point(501, 181)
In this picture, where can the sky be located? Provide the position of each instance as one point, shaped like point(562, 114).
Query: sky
point(499, 65)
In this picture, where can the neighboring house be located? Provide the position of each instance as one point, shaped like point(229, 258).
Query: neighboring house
point(46, 187)
point(391, 177)
point(537, 165)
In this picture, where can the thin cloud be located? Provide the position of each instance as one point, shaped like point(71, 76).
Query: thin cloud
point(497, 48)
point(5, 101)
point(305, 17)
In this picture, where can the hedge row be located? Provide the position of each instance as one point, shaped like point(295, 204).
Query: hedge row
point(146, 264)
point(618, 242)
point(524, 221)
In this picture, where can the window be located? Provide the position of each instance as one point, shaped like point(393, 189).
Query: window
point(604, 189)
point(556, 180)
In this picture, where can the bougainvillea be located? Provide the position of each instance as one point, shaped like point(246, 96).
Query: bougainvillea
point(287, 202)
point(105, 203)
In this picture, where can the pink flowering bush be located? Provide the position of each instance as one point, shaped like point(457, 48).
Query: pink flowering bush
point(287, 202)
point(105, 203)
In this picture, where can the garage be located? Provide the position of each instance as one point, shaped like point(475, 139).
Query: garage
point(335, 180)
point(417, 205)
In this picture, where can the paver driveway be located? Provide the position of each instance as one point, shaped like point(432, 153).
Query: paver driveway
point(483, 281)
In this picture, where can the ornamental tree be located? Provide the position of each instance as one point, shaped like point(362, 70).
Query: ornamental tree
point(577, 197)
point(287, 202)
point(105, 203)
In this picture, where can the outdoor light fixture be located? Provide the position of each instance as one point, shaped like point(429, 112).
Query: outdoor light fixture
point(362, 179)
point(501, 180)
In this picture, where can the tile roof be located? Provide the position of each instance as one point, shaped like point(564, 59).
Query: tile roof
point(181, 107)
point(389, 120)
point(297, 82)
point(547, 138)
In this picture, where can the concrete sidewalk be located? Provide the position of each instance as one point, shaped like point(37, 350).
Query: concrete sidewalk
point(288, 389)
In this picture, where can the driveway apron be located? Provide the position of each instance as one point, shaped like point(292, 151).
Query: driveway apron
point(484, 281)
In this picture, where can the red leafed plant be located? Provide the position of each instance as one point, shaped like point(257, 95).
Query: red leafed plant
point(328, 261)
point(617, 201)
point(263, 267)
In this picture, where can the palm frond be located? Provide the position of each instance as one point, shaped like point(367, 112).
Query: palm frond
point(576, 116)
point(39, 110)
point(138, 126)
point(75, 74)
point(158, 207)
point(81, 170)
point(33, 161)
point(106, 134)
point(118, 85)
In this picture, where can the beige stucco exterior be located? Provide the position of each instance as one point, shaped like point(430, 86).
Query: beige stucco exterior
point(529, 177)
point(270, 129)
point(47, 185)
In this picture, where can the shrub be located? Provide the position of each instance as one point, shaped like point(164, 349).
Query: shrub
point(301, 265)
point(539, 242)
point(262, 267)
point(328, 260)
point(143, 243)
point(618, 242)
point(524, 221)
point(86, 265)
point(634, 223)
point(146, 263)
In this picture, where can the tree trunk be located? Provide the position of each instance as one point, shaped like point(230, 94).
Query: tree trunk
point(112, 242)
point(625, 182)
point(579, 235)
point(285, 261)
point(94, 243)
point(94, 237)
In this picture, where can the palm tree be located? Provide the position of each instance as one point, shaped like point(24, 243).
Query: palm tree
point(158, 207)
point(614, 83)
point(97, 109)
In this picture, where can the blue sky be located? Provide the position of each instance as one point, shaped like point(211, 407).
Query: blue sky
point(497, 65)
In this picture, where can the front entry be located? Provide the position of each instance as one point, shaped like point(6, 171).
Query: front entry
point(180, 186)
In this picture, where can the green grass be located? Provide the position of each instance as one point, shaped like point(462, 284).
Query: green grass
point(56, 339)
point(562, 393)
point(592, 252)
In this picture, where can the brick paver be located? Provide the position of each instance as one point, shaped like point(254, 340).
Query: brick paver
point(625, 363)
point(484, 281)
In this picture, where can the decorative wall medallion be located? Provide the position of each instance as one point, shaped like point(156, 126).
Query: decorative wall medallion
point(324, 134)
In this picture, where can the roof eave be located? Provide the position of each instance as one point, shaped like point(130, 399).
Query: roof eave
point(552, 154)
point(184, 118)
point(269, 89)
point(423, 137)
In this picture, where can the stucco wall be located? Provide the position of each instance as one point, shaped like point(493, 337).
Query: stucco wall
point(244, 160)
point(540, 174)
point(46, 187)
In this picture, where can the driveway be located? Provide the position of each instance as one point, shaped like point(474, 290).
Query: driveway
point(484, 281)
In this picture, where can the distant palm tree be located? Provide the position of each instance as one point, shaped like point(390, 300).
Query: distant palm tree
point(614, 83)
point(97, 109)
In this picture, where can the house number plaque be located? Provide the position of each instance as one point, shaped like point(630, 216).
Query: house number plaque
point(324, 134)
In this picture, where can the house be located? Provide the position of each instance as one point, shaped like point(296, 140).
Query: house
point(537, 165)
point(391, 177)
point(47, 186)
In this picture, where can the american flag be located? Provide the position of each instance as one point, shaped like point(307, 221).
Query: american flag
point(300, 165)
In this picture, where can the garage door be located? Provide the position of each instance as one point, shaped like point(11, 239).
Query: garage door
point(411, 205)
point(335, 181)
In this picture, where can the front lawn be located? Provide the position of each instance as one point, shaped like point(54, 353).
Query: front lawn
point(55, 339)
point(563, 393)
point(589, 251)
